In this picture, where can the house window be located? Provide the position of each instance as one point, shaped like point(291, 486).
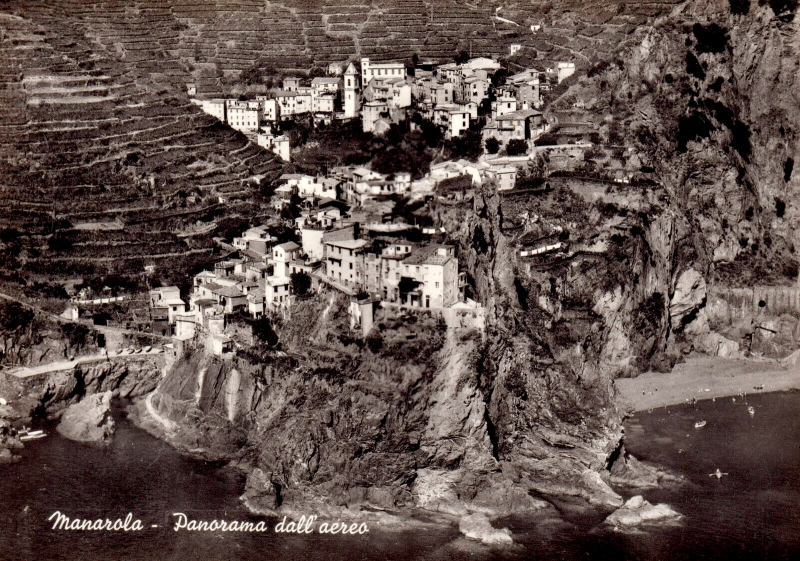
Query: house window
point(427, 301)
point(437, 285)
point(351, 265)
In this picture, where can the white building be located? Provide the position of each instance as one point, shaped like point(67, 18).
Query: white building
point(278, 144)
point(371, 112)
point(342, 259)
point(244, 116)
point(287, 102)
point(503, 105)
point(270, 108)
point(370, 70)
point(434, 270)
point(276, 291)
point(565, 70)
point(282, 256)
point(454, 118)
point(215, 108)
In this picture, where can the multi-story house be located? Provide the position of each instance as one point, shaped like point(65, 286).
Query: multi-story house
point(371, 113)
point(291, 83)
point(429, 278)
point(454, 118)
point(503, 105)
point(272, 111)
point(370, 70)
point(474, 89)
point(244, 116)
point(320, 86)
point(344, 261)
point(215, 108)
point(287, 102)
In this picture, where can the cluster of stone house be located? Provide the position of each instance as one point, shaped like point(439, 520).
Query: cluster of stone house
point(380, 93)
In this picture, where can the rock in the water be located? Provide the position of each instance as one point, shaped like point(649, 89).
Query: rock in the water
point(638, 511)
point(89, 420)
point(477, 527)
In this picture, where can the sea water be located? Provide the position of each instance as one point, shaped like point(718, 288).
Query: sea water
point(752, 513)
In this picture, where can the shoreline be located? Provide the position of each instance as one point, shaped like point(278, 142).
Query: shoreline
point(706, 378)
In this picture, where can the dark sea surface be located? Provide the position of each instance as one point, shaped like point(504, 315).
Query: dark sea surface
point(753, 513)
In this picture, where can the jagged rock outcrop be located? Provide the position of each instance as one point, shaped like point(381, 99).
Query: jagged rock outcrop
point(124, 378)
point(8, 442)
point(477, 527)
point(88, 421)
point(638, 511)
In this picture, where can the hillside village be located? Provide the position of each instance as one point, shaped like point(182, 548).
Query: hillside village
point(343, 238)
point(476, 94)
point(268, 277)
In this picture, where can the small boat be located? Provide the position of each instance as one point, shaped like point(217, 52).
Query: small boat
point(761, 387)
point(699, 424)
point(25, 434)
point(718, 474)
point(751, 410)
point(148, 348)
point(137, 351)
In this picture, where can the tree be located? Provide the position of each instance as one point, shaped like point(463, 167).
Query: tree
point(516, 147)
point(468, 146)
point(499, 77)
point(492, 145)
point(262, 329)
point(301, 283)
point(13, 316)
point(462, 57)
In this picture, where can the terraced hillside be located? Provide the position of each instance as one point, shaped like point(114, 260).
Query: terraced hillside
point(205, 40)
point(97, 133)
point(91, 145)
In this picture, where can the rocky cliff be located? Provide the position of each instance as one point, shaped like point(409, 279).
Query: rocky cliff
point(452, 421)
point(420, 416)
point(706, 105)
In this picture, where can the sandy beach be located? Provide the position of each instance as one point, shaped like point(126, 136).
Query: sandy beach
point(704, 378)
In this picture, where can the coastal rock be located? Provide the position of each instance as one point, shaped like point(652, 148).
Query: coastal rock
point(477, 527)
point(637, 511)
point(6, 457)
point(260, 494)
point(503, 497)
point(436, 490)
point(88, 421)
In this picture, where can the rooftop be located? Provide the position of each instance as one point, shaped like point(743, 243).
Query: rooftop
point(323, 80)
point(427, 256)
point(517, 115)
point(289, 246)
point(278, 281)
point(348, 244)
point(227, 291)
